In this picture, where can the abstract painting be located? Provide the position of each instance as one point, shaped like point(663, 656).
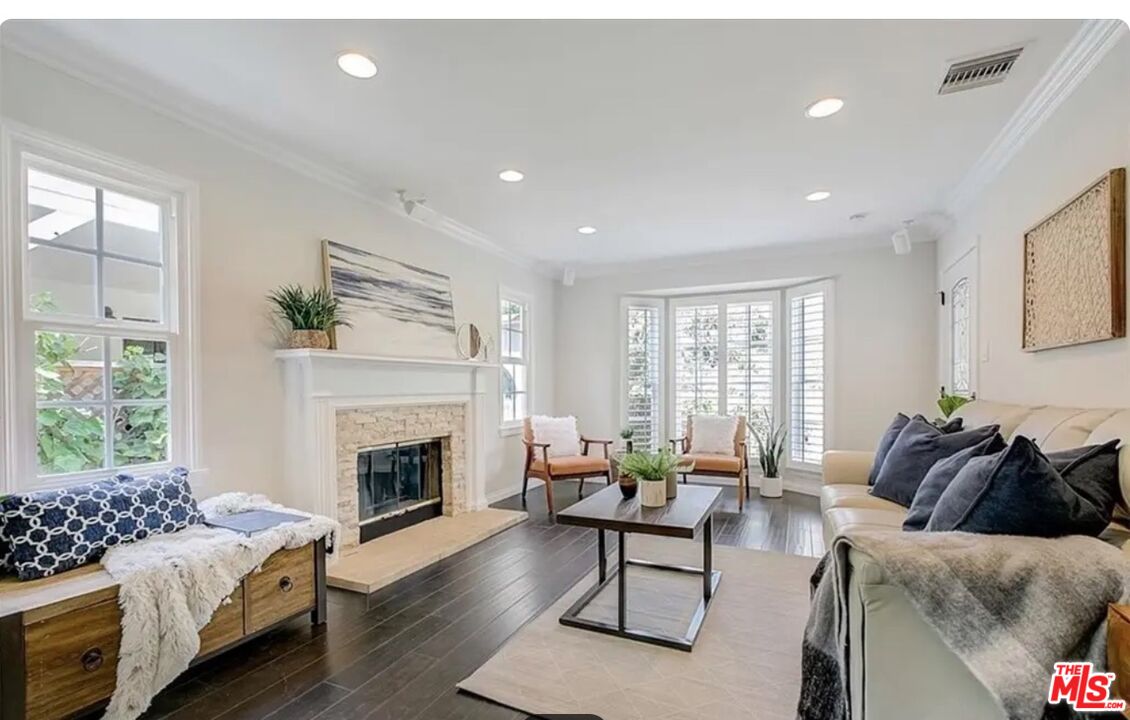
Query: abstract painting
point(1074, 269)
point(395, 308)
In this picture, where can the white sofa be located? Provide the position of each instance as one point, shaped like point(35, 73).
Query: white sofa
point(899, 666)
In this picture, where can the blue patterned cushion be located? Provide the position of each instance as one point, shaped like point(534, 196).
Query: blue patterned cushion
point(55, 530)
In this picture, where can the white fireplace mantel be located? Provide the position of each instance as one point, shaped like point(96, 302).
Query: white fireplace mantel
point(318, 383)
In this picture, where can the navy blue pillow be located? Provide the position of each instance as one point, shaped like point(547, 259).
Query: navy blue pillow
point(916, 449)
point(940, 476)
point(885, 443)
point(1021, 492)
point(51, 531)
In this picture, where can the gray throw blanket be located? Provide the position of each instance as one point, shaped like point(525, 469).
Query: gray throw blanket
point(1009, 607)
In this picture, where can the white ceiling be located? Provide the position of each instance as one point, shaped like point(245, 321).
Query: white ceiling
point(672, 138)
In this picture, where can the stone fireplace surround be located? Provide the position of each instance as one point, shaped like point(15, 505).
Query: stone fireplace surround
point(337, 403)
point(360, 428)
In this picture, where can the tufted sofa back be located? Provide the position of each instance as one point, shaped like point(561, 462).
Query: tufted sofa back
point(1057, 428)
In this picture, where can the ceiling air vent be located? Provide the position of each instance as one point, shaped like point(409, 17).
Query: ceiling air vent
point(979, 72)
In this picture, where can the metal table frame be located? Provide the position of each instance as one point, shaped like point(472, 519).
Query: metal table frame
point(710, 580)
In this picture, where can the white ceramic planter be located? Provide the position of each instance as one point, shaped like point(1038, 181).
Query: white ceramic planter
point(653, 493)
point(771, 487)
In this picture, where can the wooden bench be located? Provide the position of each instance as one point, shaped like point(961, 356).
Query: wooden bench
point(59, 636)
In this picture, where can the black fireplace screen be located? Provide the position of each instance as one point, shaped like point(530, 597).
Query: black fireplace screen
point(398, 477)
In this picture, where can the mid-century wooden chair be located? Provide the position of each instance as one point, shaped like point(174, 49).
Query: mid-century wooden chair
point(735, 465)
point(572, 467)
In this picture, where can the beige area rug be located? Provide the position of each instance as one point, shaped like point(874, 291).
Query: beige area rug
point(745, 664)
point(386, 559)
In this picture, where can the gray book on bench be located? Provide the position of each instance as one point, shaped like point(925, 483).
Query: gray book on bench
point(253, 521)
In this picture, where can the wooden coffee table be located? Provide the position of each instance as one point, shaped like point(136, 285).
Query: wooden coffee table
point(682, 517)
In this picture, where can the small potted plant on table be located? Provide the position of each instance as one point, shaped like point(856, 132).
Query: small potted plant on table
point(650, 471)
point(312, 314)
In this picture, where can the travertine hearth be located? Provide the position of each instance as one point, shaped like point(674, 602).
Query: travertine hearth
point(360, 428)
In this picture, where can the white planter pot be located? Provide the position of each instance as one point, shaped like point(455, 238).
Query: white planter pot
point(653, 493)
point(771, 487)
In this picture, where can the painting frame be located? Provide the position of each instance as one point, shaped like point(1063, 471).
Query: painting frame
point(1043, 249)
point(381, 280)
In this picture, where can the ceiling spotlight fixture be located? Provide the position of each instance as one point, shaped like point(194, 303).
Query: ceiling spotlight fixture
point(818, 196)
point(586, 230)
point(356, 65)
point(824, 108)
point(856, 217)
point(511, 176)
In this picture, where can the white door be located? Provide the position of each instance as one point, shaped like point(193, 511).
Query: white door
point(958, 297)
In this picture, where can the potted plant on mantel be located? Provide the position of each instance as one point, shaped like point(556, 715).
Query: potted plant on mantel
point(650, 471)
point(312, 314)
point(770, 441)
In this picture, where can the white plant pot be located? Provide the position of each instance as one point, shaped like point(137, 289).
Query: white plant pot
point(653, 493)
point(771, 487)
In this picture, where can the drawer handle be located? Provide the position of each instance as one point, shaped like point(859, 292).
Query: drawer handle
point(286, 584)
point(92, 659)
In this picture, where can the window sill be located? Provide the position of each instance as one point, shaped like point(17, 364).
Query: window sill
point(510, 430)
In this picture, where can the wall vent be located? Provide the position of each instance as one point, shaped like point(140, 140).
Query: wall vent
point(979, 72)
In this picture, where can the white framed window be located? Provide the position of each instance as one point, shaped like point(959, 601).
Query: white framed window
point(642, 357)
point(751, 364)
point(515, 357)
point(98, 289)
point(809, 371)
point(961, 350)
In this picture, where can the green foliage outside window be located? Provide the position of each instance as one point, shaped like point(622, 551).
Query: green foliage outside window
point(72, 439)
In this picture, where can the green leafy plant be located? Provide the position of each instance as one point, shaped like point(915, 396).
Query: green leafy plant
point(627, 433)
point(72, 439)
point(308, 309)
point(948, 404)
point(770, 441)
point(653, 467)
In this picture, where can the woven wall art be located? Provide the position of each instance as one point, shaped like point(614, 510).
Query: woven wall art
point(1074, 269)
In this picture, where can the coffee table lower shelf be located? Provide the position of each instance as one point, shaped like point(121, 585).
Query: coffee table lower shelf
point(710, 580)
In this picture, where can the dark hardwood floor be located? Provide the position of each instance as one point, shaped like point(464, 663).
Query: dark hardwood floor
point(397, 654)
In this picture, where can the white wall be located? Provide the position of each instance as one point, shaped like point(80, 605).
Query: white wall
point(261, 226)
point(884, 337)
point(1088, 135)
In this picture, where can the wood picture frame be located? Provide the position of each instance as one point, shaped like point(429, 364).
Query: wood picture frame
point(1074, 270)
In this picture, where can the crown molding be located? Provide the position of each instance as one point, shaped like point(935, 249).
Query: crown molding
point(49, 49)
point(1083, 53)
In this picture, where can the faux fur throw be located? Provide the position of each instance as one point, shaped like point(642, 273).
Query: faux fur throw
point(1008, 607)
point(169, 586)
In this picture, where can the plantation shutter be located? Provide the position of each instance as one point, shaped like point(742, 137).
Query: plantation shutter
point(749, 362)
point(806, 377)
point(643, 389)
point(696, 363)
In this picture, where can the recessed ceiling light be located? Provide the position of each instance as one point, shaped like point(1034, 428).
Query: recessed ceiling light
point(511, 176)
point(818, 196)
point(586, 230)
point(357, 65)
point(824, 108)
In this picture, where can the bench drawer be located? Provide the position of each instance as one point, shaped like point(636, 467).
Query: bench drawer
point(284, 587)
point(226, 625)
point(72, 660)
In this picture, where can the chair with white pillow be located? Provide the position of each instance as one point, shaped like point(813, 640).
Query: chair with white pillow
point(717, 446)
point(555, 450)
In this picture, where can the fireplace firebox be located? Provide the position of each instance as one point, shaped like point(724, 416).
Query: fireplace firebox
point(398, 485)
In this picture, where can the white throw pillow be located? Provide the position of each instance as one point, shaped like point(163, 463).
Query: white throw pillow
point(713, 434)
point(559, 432)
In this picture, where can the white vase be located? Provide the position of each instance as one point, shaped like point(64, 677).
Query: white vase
point(653, 493)
point(771, 487)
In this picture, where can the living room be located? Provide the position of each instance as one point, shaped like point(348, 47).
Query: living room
point(572, 364)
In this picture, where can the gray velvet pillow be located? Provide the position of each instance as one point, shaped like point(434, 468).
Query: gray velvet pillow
point(1021, 492)
point(940, 476)
point(892, 433)
point(885, 443)
point(915, 451)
